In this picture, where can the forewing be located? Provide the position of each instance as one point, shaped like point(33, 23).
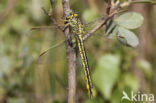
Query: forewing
point(44, 44)
point(90, 25)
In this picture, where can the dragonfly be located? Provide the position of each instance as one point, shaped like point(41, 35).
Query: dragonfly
point(78, 29)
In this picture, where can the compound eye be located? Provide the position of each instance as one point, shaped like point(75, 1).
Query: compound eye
point(68, 16)
point(75, 15)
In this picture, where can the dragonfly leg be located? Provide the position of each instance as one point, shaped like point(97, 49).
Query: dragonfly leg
point(66, 25)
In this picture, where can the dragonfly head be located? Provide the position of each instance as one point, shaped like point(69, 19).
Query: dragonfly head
point(75, 14)
point(71, 15)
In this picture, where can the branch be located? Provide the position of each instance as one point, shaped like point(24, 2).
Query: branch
point(115, 10)
point(71, 59)
point(109, 6)
point(52, 19)
point(70, 53)
point(100, 25)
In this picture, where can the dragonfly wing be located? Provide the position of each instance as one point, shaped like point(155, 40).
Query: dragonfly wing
point(44, 43)
point(94, 23)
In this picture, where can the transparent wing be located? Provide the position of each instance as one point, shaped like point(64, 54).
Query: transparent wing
point(95, 22)
point(45, 44)
point(40, 39)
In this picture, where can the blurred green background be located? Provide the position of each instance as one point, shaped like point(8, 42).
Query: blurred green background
point(114, 68)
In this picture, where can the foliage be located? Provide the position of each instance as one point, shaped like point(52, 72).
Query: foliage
point(108, 64)
point(121, 25)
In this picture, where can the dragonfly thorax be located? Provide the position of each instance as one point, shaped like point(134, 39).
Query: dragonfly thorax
point(72, 19)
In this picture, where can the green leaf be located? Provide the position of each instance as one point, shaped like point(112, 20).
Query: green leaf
point(131, 81)
point(106, 74)
point(127, 37)
point(111, 28)
point(130, 20)
point(145, 67)
point(117, 95)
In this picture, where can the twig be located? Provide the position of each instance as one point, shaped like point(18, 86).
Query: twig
point(114, 11)
point(70, 54)
point(109, 7)
point(99, 26)
point(52, 18)
point(71, 59)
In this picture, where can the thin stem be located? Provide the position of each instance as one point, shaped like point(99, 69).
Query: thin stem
point(71, 59)
point(99, 26)
point(52, 19)
point(109, 7)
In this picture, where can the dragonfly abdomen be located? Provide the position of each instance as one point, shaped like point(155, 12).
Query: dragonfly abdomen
point(84, 62)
